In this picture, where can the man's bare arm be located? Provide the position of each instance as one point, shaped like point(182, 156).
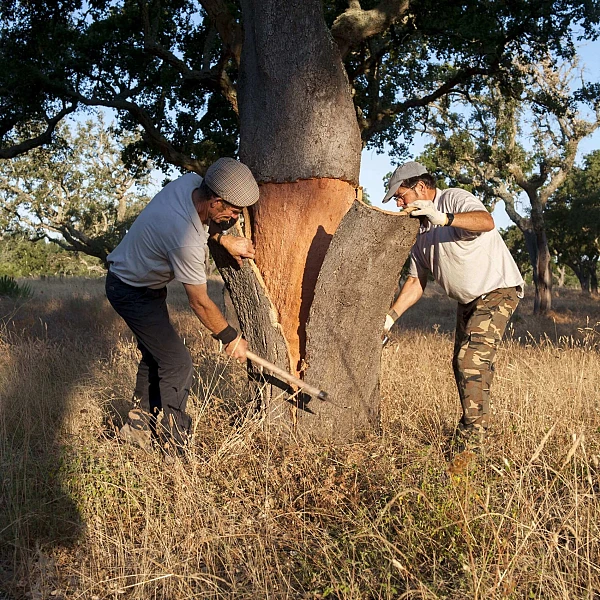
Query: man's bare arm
point(410, 294)
point(212, 318)
point(477, 221)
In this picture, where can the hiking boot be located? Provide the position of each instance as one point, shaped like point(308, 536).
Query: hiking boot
point(469, 438)
point(137, 429)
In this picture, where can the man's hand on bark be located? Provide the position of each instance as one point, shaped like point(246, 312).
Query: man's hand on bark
point(237, 349)
point(238, 247)
point(425, 208)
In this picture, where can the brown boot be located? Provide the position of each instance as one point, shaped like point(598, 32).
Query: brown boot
point(137, 429)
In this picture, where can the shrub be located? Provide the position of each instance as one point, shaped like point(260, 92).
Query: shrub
point(9, 287)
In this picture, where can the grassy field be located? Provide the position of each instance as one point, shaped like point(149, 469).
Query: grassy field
point(83, 516)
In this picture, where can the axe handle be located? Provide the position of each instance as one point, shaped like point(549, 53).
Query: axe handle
point(287, 377)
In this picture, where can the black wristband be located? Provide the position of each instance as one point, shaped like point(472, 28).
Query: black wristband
point(219, 236)
point(450, 218)
point(227, 335)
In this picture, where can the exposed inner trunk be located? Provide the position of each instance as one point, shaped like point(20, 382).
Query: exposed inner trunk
point(293, 226)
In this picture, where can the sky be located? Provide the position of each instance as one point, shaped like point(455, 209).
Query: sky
point(375, 166)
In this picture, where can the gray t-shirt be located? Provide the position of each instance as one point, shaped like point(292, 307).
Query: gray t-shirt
point(166, 241)
point(465, 264)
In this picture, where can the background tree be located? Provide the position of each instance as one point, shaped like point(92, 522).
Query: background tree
point(515, 240)
point(76, 193)
point(573, 222)
point(19, 257)
point(306, 84)
point(511, 145)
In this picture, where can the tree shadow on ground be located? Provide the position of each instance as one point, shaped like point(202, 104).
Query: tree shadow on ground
point(49, 345)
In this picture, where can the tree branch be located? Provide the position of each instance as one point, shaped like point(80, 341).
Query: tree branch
point(355, 24)
point(229, 30)
point(40, 140)
point(151, 133)
point(381, 119)
point(215, 79)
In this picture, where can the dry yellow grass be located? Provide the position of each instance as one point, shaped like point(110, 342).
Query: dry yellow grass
point(85, 517)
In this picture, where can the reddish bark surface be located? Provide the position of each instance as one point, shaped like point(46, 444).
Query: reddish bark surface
point(294, 223)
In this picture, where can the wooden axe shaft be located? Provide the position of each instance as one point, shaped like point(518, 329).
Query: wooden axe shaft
point(287, 377)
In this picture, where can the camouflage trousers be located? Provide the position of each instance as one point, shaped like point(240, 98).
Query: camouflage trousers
point(480, 325)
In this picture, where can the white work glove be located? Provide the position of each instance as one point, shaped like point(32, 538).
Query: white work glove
point(427, 209)
point(390, 319)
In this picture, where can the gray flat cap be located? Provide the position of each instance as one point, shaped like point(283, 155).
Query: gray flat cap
point(233, 181)
point(405, 171)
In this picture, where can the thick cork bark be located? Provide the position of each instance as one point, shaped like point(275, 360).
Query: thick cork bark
point(293, 226)
point(352, 296)
point(297, 118)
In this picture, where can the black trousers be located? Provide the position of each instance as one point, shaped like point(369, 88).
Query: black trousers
point(165, 372)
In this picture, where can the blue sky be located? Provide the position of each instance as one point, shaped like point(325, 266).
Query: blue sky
point(375, 166)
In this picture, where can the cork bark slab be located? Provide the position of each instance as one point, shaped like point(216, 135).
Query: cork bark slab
point(259, 322)
point(353, 294)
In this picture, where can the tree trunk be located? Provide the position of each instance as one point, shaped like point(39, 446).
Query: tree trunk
point(582, 276)
point(562, 274)
point(584, 281)
point(594, 277)
point(531, 245)
point(300, 137)
point(543, 289)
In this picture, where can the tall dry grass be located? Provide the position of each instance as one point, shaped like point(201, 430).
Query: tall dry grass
point(85, 517)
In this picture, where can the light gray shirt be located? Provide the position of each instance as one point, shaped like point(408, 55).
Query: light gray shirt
point(167, 240)
point(465, 264)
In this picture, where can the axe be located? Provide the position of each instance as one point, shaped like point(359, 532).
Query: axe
point(288, 377)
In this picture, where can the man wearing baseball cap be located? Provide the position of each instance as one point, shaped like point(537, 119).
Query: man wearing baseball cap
point(460, 246)
point(168, 240)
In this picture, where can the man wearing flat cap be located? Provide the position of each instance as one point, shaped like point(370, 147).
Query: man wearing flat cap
point(460, 247)
point(168, 240)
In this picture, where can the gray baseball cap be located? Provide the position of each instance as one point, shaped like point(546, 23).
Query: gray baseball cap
point(233, 181)
point(405, 171)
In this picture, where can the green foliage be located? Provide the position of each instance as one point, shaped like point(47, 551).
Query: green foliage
point(9, 287)
point(163, 65)
point(77, 193)
point(20, 257)
point(572, 219)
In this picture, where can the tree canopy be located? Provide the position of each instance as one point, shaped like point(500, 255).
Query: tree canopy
point(573, 222)
point(76, 193)
point(173, 66)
